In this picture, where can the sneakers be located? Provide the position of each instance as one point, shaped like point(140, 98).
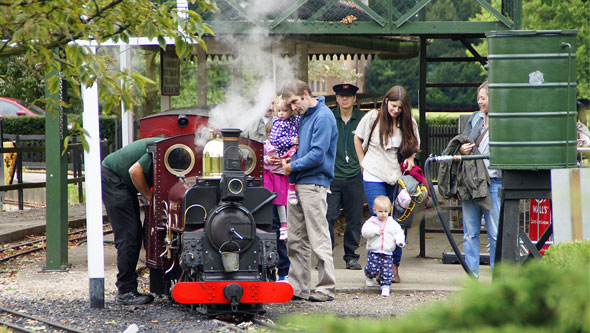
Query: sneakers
point(283, 232)
point(133, 298)
point(385, 291)
point(291, 195)
point(284, 279)
point(320, 297)
point(369, 282)
point(353, 264)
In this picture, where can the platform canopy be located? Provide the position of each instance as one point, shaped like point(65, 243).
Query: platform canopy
point(360, 17)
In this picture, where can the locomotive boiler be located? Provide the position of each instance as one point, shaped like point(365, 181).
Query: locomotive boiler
point(209, 237)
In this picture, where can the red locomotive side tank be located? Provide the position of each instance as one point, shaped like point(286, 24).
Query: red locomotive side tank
point(174, 122)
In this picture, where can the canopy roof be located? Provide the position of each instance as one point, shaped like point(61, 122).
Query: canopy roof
point(359, 17)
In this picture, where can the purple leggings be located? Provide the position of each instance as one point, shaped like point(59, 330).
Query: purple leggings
point(380, 263)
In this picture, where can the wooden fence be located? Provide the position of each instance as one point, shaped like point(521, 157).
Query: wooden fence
point(30, 150)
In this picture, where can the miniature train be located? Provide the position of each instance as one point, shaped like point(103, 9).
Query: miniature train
point(208, 231)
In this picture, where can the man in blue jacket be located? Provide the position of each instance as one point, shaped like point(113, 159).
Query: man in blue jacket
point(311, 169)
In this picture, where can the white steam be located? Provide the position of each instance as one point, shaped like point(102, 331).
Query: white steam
point(265, 72)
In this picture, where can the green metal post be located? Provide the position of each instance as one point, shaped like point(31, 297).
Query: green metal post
point(517, 13)
point(56, 191)
point(423, 129)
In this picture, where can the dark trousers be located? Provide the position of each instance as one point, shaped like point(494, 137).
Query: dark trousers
point(349, 195)
point(123, 212)
point(284, 263)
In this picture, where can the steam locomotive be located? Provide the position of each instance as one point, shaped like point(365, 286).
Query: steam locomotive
point(208, 231)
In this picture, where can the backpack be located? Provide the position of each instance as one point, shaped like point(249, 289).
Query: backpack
point(408, 217)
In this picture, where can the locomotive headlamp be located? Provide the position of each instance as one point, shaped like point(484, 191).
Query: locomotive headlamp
point(235, 186)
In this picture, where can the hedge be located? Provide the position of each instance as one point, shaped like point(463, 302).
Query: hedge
point(36, 126)
point(548, 295)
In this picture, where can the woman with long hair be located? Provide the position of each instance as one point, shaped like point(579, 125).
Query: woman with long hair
point(385, 141)
point(477, 130)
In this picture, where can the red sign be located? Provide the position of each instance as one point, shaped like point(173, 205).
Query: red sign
point(539, 220)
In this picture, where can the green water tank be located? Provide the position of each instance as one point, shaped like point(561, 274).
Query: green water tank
point(532, 99)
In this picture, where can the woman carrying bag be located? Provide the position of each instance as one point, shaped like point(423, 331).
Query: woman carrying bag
point(385, 140)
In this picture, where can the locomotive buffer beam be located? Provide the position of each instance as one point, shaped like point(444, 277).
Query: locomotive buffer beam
point(215, 292)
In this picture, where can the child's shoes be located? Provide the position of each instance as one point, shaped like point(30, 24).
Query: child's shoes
point(290, 152)
point(291, 195)
point(385, 291)
point(369, 282)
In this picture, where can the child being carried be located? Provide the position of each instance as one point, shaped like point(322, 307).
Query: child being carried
point(383, 234)
point(283, 136)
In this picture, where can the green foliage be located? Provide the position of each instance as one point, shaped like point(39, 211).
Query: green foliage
point(322, 69)
point(550, 295)
point(218, 79)
point(564, 254)
point(19, 79)
point(73, 194)
point(35, 29)
point(36, 125)
point(23, 125)
point(383, 74)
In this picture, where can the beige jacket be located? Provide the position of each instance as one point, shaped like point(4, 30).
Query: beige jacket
point(381, 162)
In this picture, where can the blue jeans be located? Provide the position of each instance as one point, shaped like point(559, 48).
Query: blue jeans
point(373, 190)
point(472, 213)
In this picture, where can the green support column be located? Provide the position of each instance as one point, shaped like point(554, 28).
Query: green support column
point(423, 130)
point(56, 191)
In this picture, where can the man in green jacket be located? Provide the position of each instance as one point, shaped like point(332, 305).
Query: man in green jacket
point(346, 190)
point(125, 173)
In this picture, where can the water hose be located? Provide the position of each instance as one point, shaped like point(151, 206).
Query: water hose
point(443, 221)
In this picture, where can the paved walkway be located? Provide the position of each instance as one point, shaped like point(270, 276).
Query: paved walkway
point(417, 274)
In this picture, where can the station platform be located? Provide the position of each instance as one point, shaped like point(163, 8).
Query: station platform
point(417, 273)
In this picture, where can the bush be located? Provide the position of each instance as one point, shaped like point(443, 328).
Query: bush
point(36, 126)
point(551, 295)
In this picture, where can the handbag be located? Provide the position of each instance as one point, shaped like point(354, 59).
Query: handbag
point(408, 216)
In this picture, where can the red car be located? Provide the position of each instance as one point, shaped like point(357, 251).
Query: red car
point(10, 107)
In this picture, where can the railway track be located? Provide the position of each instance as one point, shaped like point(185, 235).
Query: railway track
point(16, 250)
point(21, 322)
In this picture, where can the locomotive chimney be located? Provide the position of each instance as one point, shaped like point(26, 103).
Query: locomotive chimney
point(233, 179)
point(231, 150)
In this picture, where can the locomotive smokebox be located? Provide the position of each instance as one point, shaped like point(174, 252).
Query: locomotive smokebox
point(233, 180)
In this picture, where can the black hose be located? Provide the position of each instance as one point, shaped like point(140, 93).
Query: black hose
point(442, 218)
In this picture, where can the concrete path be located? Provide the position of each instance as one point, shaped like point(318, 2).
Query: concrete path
point(417, 274)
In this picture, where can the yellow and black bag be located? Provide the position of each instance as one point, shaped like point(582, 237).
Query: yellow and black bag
point(411, 215)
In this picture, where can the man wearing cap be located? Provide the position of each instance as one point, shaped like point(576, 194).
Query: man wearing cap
point(347, 186)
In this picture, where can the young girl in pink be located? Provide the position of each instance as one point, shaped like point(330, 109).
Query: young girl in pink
point(280, 143)
point(284, 136)
point(276, 181)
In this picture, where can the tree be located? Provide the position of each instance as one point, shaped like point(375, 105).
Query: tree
point(382, 74)
point(48, 33)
